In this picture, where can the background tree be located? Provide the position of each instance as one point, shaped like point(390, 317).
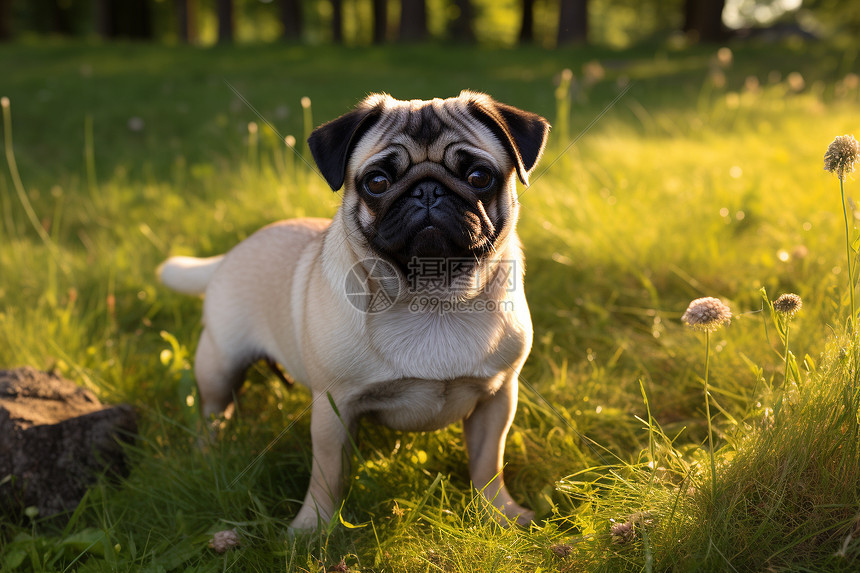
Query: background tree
point(225, 21)
point(527, 22)
point(123, 19)
point(573, 22)
point(380, 21)
point(413, 20)
point(5, 19)
point(184, 10)
point(292, 20)
point(61, 17)
point(703, 19)
point(337, 21)
point(462, 27)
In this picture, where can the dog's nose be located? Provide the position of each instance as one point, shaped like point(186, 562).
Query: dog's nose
point(428, 192)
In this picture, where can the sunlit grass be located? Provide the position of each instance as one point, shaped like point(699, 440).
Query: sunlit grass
point(683, 189)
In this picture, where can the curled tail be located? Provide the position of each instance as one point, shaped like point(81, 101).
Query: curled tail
point(188, 275)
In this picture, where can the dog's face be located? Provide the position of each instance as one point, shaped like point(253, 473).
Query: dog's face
point(430, 179)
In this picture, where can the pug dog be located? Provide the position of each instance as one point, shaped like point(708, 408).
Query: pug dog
point(407, 307)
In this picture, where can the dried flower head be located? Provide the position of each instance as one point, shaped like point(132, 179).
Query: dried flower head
point(841, 156)
point(561, 549)
point(341, 567)
point(622, 532)
point(706, 314)
point(223, 540)
point(788, 304)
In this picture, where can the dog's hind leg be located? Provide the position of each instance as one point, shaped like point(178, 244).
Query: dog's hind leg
point(219, 375)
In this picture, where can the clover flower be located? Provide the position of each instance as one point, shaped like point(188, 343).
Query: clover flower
point(841, 156)
point(788, 304)
point(707, 314)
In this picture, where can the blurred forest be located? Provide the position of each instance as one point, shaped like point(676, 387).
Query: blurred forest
point(547, 23)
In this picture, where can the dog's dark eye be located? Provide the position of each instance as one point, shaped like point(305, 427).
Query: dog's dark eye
point(377, 183)
point(479, 179)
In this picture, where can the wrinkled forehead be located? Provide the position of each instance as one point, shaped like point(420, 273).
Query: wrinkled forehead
point(440, 131)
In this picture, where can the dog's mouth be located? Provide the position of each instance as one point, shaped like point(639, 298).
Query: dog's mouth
point(448, 228)
point(431, 241)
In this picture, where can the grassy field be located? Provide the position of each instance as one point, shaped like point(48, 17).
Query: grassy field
point(704, 179)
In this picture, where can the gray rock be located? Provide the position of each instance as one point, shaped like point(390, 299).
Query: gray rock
point(56, 438)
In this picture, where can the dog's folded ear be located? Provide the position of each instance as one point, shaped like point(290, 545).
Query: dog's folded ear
point(332, 142)
point(522, 133)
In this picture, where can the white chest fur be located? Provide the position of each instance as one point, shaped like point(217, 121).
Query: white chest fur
point(440, 346)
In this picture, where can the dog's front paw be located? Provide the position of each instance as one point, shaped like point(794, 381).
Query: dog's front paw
point(308, 520)
point(515, 513)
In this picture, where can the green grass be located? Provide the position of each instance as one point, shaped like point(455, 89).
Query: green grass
point(682, 189)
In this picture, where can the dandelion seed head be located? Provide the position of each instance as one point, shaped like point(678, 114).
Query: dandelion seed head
point(4, 102)
point(788, 304)
point(707, 314)
point(841, 156)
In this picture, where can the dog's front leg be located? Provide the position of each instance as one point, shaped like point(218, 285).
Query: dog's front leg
point(485, 430)
point(329, 440)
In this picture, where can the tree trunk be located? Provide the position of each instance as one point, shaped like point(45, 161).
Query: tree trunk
point(183, 22)
point(291, 19)
point(337, 21)
point(703, 19)
point(573, 22)
point(225, 21)
point(124, 18)
point(413, 21)
point(527, 23)
point(105, 21)
point(62, 21)
point(137, 21)
point(380, 21)
point(690, 17)
point(462, 27)
point(5, 20)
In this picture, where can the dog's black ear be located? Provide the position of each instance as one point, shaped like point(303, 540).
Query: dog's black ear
point(332, 142)
point(522, 133)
